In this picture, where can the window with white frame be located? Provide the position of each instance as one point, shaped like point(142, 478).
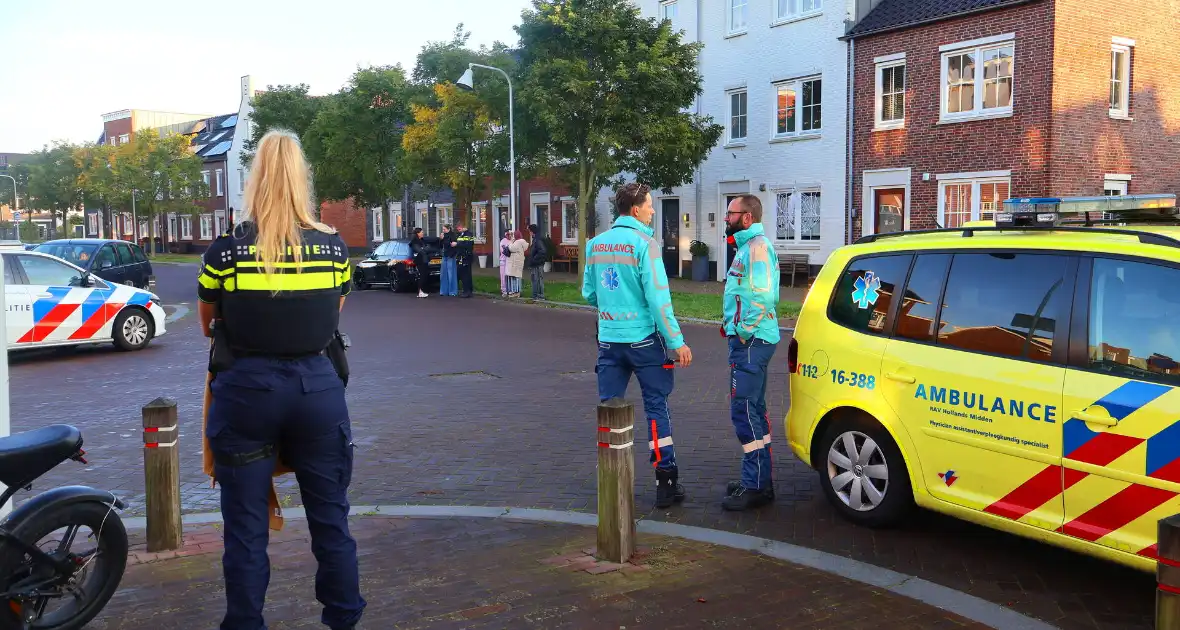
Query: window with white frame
point(128, 224)
point(738, 14)
point(172, 234)
point(797, 107)
point(186, 228)
point(219, 222)
point(220, 185)
point(205, 178)
point(1114, 185)
point(378, 224)
point(668, 10)
point(206, 227)
point(143, 230)
point(124, 138)
point(569, 221)
point(479, 222)
point(92, 222)
point(890, 94)
point(797, 215)
point(794, 9)
point(971, 199)
point(978, 81)
point(241, 180)
point(737, 116)
point(1120, 81)
point(445, 216)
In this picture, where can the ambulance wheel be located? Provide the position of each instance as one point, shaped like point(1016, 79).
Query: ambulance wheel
point(133, 329)
point(863, 473)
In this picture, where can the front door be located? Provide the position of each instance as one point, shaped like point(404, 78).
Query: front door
point(541, 215)
point(730, 250)
point(670, 215)
point(889, 210)
point(1121, 409)
point(976, 371)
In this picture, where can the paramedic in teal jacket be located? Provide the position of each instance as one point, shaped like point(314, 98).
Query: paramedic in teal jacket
point(625, 279)
point(751, 327)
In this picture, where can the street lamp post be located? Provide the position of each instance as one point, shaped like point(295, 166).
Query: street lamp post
point(467, 82)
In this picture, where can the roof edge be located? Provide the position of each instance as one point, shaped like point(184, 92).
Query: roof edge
point(900, 27)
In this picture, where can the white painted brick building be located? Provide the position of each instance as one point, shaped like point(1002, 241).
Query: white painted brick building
point(775, 75)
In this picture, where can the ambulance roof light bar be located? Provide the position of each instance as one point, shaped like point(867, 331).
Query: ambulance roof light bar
point(1054, 211)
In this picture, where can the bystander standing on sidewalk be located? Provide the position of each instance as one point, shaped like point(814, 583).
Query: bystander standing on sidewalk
point(516, 263)
point(420, 251)
point(751, 326)
point(448, 279)
point(274, 390)
point(465, 253)
point(538, 256)
point(626, 281)
point(504, 255)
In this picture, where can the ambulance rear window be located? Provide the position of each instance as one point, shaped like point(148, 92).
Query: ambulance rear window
point(865, 291)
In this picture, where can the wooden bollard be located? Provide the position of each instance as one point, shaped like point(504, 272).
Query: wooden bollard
point(1167, 574)
point(161, 475)
point(616, 480)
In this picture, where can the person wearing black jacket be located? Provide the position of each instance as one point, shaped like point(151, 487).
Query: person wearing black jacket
point(448, 283)
point(537, 258)
point(421, 254)
point(465, 252)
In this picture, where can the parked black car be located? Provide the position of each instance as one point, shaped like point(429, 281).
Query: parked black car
point(112, 260)
point(391, 264)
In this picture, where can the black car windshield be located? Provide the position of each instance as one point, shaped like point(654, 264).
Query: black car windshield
point(78, 254)
point(393, 249)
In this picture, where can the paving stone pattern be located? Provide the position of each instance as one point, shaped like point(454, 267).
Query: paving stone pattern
point(481, 402)
point(480, 573)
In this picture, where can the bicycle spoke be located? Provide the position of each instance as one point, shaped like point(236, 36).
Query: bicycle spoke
point(68, 540)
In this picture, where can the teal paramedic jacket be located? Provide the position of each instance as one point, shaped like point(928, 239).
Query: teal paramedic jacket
point(751, 288)
point(626, 281)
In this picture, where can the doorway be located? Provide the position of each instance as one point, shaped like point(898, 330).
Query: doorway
point(730, 250)
point(888, 210)
point(670, 218)
point(541, 218)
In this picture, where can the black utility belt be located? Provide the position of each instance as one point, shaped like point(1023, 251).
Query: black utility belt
point(285, 356)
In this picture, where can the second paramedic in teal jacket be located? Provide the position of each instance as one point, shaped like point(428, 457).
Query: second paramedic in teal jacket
point(625, 279)
point(751, 327)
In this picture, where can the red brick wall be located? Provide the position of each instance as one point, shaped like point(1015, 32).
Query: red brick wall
point(1018, 143)
point(1086, 142)
point(116, 128)
point(551, 184)
point(350, 221)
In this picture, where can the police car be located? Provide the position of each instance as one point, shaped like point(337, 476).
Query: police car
point(51, 302)
point(1023, 374)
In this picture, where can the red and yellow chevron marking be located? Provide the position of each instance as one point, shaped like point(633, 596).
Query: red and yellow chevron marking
point(1160, 459)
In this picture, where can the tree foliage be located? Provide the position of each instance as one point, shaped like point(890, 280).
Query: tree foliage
point(54, 180)
point(608, 91)
point(287, 107)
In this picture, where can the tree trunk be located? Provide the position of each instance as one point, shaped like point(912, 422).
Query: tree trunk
point(586, 177)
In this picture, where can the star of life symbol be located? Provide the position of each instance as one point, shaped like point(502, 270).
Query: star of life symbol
point(610, 279)
point(867, 288)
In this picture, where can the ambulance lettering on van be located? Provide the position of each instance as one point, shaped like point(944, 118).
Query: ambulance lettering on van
point(995, 404)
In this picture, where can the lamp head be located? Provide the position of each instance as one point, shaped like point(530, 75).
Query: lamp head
point(466, 81)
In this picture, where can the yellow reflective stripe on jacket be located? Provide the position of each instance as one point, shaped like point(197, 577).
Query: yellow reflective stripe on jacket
point(217, 272)
point(209, 282)
point(306, 281)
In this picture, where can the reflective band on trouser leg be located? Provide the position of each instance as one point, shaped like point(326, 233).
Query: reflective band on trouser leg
point(750, 447)
point(664, 441)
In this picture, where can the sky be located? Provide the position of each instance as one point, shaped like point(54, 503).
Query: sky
point(68, 62)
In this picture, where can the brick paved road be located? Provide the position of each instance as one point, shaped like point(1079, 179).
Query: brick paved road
point(481, 573)
point(476, 402)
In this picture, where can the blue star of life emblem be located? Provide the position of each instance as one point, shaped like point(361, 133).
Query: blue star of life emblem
point(610, 279)
point(867, 290)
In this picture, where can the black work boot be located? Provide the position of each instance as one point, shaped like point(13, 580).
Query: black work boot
point(734, 485)
point(668, 491)
point(742, 498)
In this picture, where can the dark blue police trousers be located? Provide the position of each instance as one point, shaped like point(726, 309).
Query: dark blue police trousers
point(298, 407)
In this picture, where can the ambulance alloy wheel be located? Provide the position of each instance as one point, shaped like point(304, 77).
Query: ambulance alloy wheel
point(863, 473)
point(133, 329)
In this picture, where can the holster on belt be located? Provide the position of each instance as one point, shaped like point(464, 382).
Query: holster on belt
point(337, 353)
point(221, 357)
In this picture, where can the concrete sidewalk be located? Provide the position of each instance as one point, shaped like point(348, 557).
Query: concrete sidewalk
point(483, 573)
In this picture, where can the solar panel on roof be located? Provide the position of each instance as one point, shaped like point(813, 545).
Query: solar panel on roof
point(220, 149)
point(230, 122)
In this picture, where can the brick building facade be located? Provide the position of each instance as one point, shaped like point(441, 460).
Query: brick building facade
point(959, 105)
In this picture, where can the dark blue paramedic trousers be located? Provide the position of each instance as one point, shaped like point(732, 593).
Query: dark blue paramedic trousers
point(648, 361)
point(749, 364)
point(297, 406)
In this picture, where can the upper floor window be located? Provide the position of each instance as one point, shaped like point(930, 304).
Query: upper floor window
point(220, 187)
point(1120, 80)
point(668, 10)
point(738, 14)
point(797, 108)
point(977, 78)
point(890, 94)
point(793, 9)
point(124, 138)
point(737, 116)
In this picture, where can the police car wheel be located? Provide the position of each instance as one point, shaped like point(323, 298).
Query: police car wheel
point(863, 473)
point(133, 329)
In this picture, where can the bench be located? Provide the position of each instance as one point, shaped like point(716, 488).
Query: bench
point(566, 255)
point(793, 264)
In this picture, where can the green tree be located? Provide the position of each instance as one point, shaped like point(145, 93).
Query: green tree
point(162, 172)
point(281, 107)
point(54, 181)
point(354, 143)
point(606, 91)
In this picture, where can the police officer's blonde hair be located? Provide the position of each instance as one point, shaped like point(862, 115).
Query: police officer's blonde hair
point(279, 198)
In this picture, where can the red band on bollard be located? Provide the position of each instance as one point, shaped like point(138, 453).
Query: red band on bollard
point(1169, 589)
point(604, 429)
